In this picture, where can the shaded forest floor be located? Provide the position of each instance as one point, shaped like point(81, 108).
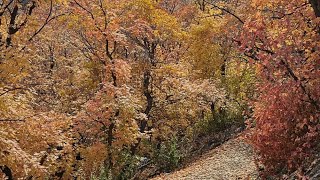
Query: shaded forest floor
point(232, 160)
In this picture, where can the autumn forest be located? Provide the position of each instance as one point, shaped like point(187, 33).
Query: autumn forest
point(130, 89)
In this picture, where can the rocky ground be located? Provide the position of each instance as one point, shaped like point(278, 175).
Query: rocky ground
point(232, 160)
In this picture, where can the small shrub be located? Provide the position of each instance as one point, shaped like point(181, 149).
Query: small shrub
point(169, 156)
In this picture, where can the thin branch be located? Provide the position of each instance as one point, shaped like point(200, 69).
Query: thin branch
point(46, 22)
point(295, 10)
point(12, 120)
point(4, 9)
point(9, 90)
point(92, 17)
point(48, 19)
point(104, 14)
point(227, 11)
point(18, 120)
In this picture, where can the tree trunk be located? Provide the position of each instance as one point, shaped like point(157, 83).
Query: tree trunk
point(112, 125)
point(212, 108)
point(316, 6)
point(148, 94)
point(7, 171)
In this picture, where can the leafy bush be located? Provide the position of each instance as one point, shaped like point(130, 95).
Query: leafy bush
point(287, 132)
point(168, 156)
point(103, 174)
point(219, 122)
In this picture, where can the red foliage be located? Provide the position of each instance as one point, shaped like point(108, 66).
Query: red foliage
point(287, 128)
point(287, 131)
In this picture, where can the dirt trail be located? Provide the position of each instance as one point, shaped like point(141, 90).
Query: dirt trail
point(232, 160)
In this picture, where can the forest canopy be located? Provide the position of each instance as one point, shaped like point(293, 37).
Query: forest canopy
point(124, 89)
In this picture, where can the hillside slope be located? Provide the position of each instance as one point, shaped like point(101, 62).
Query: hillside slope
point(232, 160)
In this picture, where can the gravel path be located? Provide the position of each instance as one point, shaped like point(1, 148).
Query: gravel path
point(232, 160)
